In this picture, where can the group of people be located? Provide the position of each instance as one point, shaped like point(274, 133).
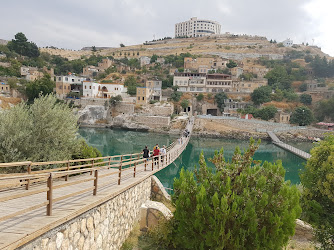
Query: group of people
point(156, 151)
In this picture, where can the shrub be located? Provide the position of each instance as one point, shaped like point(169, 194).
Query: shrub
point(318, 191)
point(237, 206)
point(199, 97)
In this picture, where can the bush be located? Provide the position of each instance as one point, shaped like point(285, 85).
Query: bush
point(45, 131)
point(199, 97)
point(302, 116)
point(318, 191)
point(306, 99)
point(266, 113)
point(235, 206)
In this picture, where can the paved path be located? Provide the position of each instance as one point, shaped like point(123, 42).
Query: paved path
point(32, 223)
point(288, 147)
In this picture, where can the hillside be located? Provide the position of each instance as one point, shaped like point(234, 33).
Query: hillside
point(227, 46)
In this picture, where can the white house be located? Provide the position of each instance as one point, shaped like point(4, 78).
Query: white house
point(288, 43)
point(103, 90)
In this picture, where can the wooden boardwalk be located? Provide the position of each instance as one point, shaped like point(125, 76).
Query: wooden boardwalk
point(288, 147)
point(24, 212)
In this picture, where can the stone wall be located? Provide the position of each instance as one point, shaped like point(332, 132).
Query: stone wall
point(125, 108)
point(152, 121)
point(104, 227)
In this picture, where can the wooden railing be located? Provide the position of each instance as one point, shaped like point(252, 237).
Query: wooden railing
point(125, 166)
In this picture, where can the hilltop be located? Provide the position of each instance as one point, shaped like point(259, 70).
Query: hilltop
point(237, 47)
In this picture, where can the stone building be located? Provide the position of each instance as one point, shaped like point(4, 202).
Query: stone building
point(197, 28)
point(231, 106)
point(151, 92)
point(282, 117)
point(203, 64)
point(63, 84)
point(248, 86)
point(4, 88)
point(288, 43)
point(144, 60)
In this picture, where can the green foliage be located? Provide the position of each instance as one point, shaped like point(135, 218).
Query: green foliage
point(325, 110)
point(132, 90)
point(306, 99)
point(39, 87)
point(318, 191)
point(277, 96)
point(290, 96)
point(261, 95)
point(279, 78)
point(185, 103)
point(176, 95)
point(177, 60)
point(84, 151)
point(243, 204)
point(247, 76)
point(130, 81)
point(21, 46)
point(280, 45)
point(167, 82)
point(73, 95)
point(154, 58)
point(266, 113)
point(302, 116)
point(121, 45)
point(295, 54)
point(322, 67)
point(114, 100)
point(220, 100)
point(44, 131)
point(303, 87)
point(199, 97)
point(231, 64)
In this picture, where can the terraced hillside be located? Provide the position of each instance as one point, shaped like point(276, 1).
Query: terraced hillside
point(227, 46)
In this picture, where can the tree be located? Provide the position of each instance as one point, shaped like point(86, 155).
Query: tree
point(220, 100)
point(44, 131)
point(121, 45)
point(39, 87)
point(325, 110)
point(94, 49)
point(302, 116)
point(261, 95)
point(279, 78)
point(185, 103)
point(199, 97)
point(266, 113)
point(168, 82)
point(176, 96)
point(114, 100)
point(318, 191)
point(303, 87)
point(132, 90)
point(306, 99)
point(231, 64)
point(130, 81)
point(21, 46)
point(154, 58)
point(242, 204)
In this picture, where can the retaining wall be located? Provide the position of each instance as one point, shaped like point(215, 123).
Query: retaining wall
point(104, 227)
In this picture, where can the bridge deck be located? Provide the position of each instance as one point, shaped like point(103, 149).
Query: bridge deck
point(23, 228)
point(288, 147)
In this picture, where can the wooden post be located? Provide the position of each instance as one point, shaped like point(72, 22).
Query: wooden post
point(96, 175)
point(158, 158)
point(120, 171)
point(145, 163)
point(91, 172)
point(152, 163)
point(134, 170)
point(49, 195)
point(109, 162)
point(68, 168)
point(28, 180)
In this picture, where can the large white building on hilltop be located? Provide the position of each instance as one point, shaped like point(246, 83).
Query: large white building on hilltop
point(197, 28)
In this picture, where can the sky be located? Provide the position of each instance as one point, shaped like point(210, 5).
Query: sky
point(74, 24)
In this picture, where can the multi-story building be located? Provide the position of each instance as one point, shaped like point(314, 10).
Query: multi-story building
point(190, 82)
point(219, 83)
point(288, 43)
point(203, 64)
point(90, 71)
point(103, 89)
point(151, 91)
point(197, 28)
point(63, 84)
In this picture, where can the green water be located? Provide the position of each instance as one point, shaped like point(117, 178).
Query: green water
point(116, 142)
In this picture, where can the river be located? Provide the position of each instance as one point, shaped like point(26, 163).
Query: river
point(116, 142)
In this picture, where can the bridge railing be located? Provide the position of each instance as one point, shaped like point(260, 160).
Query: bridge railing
point(125, 166)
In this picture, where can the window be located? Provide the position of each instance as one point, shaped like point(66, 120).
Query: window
point(85, 87)
point(138, 98)
point(72, 80)
point(143, 98)
point(90, 87)
point(66, 78)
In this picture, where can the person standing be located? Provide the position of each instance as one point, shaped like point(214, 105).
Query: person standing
point(163, 152)
point(146, 152)
point(156, 152)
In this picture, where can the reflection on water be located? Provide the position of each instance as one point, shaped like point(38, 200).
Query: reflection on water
point(116, 142)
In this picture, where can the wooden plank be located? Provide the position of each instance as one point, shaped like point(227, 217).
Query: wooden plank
point(73, 183)
point(24, 194)
point(23, 211)
point(73, 194)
